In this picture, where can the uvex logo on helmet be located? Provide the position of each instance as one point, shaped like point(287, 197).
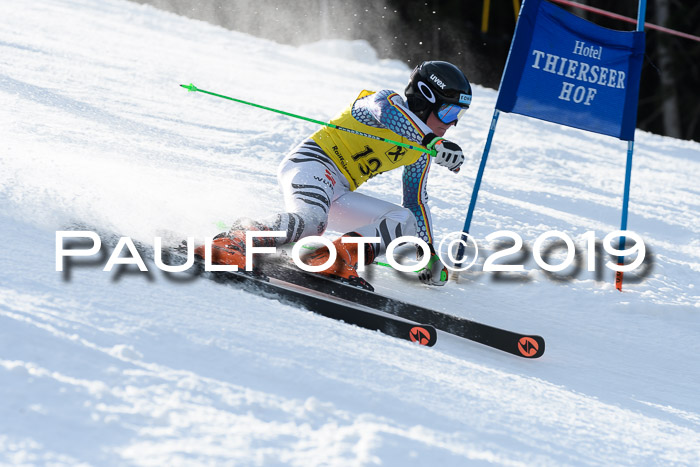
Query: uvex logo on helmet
point(437, 81)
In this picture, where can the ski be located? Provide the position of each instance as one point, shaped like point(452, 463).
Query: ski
point(521, 345)
point(296, 294)
point(278, 279)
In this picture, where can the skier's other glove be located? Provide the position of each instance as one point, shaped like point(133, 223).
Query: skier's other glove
point(449, 154)
point(434, 273)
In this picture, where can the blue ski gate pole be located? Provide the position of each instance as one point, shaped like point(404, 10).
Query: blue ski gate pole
point(477, 185)
point(641, 14)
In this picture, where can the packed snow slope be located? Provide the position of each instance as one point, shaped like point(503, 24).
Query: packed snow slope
point(101, 368)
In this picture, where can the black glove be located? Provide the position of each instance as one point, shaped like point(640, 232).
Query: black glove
point(448, 154)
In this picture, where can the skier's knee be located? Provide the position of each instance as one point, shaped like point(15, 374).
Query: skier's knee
point(314, 225)
point(404, 219)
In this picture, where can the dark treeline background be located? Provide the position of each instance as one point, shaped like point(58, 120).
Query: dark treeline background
point(416, 30)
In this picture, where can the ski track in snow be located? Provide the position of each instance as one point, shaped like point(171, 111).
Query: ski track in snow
point(102, 368)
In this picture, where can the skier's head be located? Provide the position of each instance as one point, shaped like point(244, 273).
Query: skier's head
point(438, 88)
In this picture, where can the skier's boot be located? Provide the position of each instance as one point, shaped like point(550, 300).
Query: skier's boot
point(229, 248)
point(344, 269)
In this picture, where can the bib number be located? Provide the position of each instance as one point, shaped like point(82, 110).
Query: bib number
point(368, 165)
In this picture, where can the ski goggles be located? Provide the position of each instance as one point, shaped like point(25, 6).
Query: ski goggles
point(450, 113)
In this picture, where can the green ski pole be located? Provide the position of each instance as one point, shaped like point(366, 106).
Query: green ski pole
point(192, 88)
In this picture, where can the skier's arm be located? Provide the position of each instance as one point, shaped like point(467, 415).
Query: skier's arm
point(387, 109)
point(415, 195)
point(415, 198)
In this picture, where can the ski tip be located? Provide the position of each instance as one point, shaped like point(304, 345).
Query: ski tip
point(531, 346)
point(423, 334)
point(190, 87)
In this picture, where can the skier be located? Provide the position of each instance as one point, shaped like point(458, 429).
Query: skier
point(319, 177)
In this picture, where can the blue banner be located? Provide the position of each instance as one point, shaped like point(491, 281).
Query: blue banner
point(564, 69)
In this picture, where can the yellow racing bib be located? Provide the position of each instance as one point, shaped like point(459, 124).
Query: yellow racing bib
point(359, 157)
